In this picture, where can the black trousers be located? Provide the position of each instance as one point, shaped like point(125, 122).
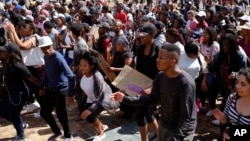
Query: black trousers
point(11, 105)
point(55, 100)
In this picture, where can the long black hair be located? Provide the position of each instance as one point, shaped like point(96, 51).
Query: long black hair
point(93, 59)
point(233, 47)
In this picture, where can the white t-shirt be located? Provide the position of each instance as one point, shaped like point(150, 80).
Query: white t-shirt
point(106, 17)
point(210, 51)
point(87, 85)
point(180, 45)
point(190, 65)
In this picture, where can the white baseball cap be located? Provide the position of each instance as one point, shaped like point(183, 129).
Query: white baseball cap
point(44, 41)
point(201, 14)
point(244, 18)
point(245, 26)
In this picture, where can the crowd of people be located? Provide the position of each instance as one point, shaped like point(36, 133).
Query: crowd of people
point(194, 51)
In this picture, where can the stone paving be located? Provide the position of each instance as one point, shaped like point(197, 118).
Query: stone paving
point(119, 129)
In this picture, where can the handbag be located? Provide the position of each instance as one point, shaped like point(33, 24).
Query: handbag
point(32, 57)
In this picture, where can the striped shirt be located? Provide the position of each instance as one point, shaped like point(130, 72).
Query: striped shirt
point(230, 111)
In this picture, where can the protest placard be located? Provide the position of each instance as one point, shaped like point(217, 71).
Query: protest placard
point(105, 66)
point(132, 81)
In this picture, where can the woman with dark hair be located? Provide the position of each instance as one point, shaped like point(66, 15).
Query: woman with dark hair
point(92, 89)
point(87, 36)
point(174, 37)
point(194, 63)
point(123, 55)
point(235, 112)
point(209, 47)
point(179, 26)
point(27, 32)
point(228, 61)
point(61, 28)
point(13, 90)
point(209, 15)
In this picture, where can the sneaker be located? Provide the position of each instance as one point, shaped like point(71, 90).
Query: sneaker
point(69, 139)
point(32, 107)
point(19, 138)
point(105, 127)
point(37, 115)
point(216, 122)
point(209, 113)
point(25, 125)
point(99, 138)
point(54, 136)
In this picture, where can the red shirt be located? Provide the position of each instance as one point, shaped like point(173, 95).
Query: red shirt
point(123, 17)
point(202, 25)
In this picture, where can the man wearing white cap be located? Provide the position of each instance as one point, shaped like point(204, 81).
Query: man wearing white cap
point(57, 84)
point(243, 19)
point(200, 16)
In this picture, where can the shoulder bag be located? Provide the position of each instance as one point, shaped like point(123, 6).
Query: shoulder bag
point(33, 56)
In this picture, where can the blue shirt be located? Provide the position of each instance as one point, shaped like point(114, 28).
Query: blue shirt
point(58, 75)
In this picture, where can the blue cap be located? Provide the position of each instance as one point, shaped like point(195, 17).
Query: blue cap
point(19, 7)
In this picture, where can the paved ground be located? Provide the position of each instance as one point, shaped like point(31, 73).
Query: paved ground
point(119, 129)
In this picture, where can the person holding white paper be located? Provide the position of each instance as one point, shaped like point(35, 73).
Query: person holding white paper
point(175, 90)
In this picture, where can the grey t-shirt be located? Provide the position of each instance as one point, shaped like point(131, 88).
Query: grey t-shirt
point(80, 47)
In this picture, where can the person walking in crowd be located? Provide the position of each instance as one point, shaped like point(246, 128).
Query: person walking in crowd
point(191, 23)
point(209, 47)
point(123, 55)
point(235, 111)
point(72, 26)
point(80, 45)
point(91, 89)
point(175, 90)
point(146, 56)
point(225, 63)
point(56, 85)
point(13, 91)
point(174, 37)
point(28, 40)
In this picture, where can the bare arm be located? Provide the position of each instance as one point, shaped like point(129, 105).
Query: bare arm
point(14, 38)
point(33, 80)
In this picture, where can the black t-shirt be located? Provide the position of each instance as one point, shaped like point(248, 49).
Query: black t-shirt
point(147, 64)
point(87, 19)
point(119, 58)
point(14, 75)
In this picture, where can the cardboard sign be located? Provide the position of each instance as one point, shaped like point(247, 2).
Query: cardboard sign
point(132, 81)
point(105, 66)
point(94, 31)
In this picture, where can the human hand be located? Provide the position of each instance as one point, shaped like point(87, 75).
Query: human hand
point(208, 59)
point(118, 96)
point(72, 44)
point(204, 86)
point(218, 114)
point(41, 92)
point(85, 114)
point(226, 136)
point(69, 99)
point(232, 75)
point(111, 69)
point(9, 26)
